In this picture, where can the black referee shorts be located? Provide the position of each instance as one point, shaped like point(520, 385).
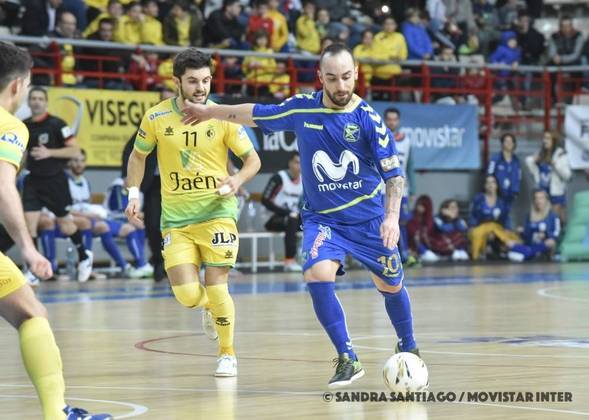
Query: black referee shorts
point(50, 192)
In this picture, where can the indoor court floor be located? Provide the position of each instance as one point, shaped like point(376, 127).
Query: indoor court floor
point(130, 349)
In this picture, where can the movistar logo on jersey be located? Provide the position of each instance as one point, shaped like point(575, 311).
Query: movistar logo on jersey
point(158, 114)
point(323, 167)
point(351, 132)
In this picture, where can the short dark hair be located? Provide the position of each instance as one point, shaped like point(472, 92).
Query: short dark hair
point(191, 58)
point(39, 89)
point(227, 3)
point(392, 110)
point(107, 20)
point(335, 49)
point(505, 135)
point(15, 63)
point(294, 155)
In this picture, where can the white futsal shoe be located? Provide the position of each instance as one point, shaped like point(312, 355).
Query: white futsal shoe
point(85, 267)
point(459, 255)
point(429, 256)
point(208, 325)
point(226, 366)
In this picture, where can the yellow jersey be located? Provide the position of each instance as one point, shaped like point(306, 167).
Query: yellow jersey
point(190, 161)
point(14, 137)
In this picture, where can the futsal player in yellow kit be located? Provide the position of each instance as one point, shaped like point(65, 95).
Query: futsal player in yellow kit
point(18, 304)
point(199, 208)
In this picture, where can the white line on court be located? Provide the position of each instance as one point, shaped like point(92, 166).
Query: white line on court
point(523, 407)
point(137, 409)
point(545, 292)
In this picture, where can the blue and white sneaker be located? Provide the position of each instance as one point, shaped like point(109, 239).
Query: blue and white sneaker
point(79, 414)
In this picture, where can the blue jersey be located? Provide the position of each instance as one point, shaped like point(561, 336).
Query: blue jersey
point(481, 212)
point(345, 155)
point(449, 226)
point(508, 174)
point(538, 231)
point(545, 174)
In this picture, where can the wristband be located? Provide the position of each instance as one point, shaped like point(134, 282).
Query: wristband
point(133, 193)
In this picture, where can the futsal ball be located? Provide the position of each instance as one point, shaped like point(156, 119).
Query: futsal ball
point(405, 372)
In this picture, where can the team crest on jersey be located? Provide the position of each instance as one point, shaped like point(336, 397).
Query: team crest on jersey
point(12, 138)
point(211, 132)
point(351, 132)
point(44, 138)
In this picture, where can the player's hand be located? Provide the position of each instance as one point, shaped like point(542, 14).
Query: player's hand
point(40, 152)
point(38, 264)
point(228, 186)
point(133, 212)
point(195, 113)
point(389, 231)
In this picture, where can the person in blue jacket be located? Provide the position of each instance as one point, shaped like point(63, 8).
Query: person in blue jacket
point(419, 44)
point(540, 233)
point(508, 52)
point(506, 168)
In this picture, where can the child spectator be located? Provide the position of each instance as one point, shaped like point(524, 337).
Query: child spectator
point(541, 231)
point(450, 232)
point(421, 228)
point(259, 71)
point(259, 20)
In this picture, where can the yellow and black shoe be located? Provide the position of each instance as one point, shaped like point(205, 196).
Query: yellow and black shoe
point(346, 371)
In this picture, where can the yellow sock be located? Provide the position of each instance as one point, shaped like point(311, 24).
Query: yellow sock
point(43, 364)
point(223, 311)
point(191, 295)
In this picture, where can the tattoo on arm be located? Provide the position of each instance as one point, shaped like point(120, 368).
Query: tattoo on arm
point(394, 194)
point(232, 117)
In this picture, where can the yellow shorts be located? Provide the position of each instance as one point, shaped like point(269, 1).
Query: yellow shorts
point(213, 243)
point(11, 278)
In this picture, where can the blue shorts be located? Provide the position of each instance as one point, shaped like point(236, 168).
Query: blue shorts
point(362, 241)
point(114, 226)
point(559, 199)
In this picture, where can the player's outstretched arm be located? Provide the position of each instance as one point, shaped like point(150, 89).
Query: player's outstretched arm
point(135, 172)
point(389, 230)
point(12, 214)
point(240, 114)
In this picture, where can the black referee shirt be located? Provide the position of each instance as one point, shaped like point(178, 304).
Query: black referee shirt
point(51, 132)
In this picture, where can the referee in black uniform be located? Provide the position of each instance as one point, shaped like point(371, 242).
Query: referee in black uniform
point(51, 145)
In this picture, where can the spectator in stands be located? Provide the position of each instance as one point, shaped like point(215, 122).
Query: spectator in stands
point(128, 29)
point(280, 33)
point(259, 20)
point(420, 229)
point(437, 14)
point(389, 45)
point(184, 25)
point(338, 10)
point(541, 231)
point(506, 169)
point(489, 220)
point(365, 50)
point(280, 87)
point(222, 28)
point(449, 238)
point(418, 41)
point(282, 196)
point(460, 12)
point(509, 53)
point(308, 39)
point(329, 29)
point(148, 65)
point(165, 71)
point(565, 46)
point(117, 64)
point(474, 82)
point(152, 32)
point(114, 11)
point(532, 45)
point(445, 77)
point(66, 28)
point(9, 17)
point(487, 21)
point(508, 14)
point(259, 71)
point(40, 16)
point(551, 171)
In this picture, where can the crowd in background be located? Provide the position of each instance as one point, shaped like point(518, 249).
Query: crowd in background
point(493, 31)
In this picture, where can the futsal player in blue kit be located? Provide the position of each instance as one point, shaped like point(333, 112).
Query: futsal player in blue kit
point(346, 150)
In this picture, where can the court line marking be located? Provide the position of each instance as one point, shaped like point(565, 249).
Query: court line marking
point(270, 392)
point(544, 292)
point(138, 410)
